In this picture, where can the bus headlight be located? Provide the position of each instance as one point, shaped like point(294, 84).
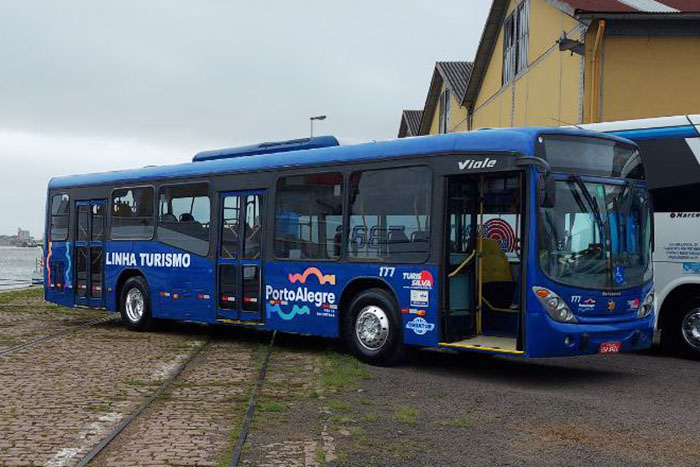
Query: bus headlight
point(647, 307)
point(555, 306)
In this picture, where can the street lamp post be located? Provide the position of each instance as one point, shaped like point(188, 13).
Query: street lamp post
point(311, 119)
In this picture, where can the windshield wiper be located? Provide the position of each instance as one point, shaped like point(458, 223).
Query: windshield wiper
point(593, 204)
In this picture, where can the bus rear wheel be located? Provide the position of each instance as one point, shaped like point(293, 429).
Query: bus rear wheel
point(136, 304)
point(684, 335)
point(372, 328)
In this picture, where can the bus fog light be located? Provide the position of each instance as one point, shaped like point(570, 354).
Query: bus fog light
point(556, 307)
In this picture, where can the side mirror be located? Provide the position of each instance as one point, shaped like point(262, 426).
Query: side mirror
point(548, 191)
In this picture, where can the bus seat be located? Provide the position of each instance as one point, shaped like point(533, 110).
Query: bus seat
point(496, 267)
point(497, 279)
point(398, 242)
point(421, 236)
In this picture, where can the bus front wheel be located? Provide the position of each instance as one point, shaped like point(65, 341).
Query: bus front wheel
point(136, 304)
point(372, 328)
point(684, 336)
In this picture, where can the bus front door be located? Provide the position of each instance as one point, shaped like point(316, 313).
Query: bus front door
point(89, 253)
point(239, 268)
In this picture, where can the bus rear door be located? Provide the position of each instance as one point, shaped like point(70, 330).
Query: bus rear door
point(89, 253)
point(240, 254)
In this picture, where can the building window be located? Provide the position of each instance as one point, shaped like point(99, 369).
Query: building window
point(390, 215)
point(132, 214)
point(185, 217)
point(60, 209)
point(445, 104)
point(309, 216)
point(515, 42)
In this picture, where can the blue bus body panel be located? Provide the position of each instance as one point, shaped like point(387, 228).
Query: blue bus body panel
point(58, 273)
point(545, 337)
point(504, 140)
point(179, 282)
point(298, 297)
point(267, 148)
point(303, 298)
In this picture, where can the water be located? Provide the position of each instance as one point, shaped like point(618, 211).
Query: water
point(17, 266)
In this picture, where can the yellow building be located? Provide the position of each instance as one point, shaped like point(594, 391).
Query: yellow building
point(558, 62)
point(442, 112)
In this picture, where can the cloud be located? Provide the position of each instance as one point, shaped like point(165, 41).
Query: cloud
point(99, 84)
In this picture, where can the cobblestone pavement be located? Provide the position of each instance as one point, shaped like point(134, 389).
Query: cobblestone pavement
point(25, 316)
point(195, 421)
point(59, 398)
point(291, 422)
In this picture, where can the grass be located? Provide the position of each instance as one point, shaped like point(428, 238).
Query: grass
point(320, 455)
point(233, 437)
point(22, 294)
point(342, 420)
point(406, 414)
point(342, 372)
point(364, 400)
point(339, 405)
point(271, 406)
point(405, 450)
point(138, 383)
point(370, 418)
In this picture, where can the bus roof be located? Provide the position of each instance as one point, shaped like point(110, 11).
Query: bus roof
point(492, 140)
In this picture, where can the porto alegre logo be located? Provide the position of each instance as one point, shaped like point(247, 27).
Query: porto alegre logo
point(322, 278)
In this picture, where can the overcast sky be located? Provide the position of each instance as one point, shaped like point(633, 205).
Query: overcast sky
point(88, 86)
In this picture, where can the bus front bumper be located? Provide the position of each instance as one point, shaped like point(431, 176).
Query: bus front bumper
point(556, 339)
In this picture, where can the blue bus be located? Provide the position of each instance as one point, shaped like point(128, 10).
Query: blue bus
point(531, 242)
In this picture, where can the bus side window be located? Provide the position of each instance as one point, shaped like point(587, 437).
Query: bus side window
point(132, 214)
point(60, 210)
point(309, 216)
point(390, 214)
point(184, 217)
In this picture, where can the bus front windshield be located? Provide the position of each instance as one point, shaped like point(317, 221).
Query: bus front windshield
point(597, 235)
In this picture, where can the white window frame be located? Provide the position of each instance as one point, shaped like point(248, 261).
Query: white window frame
point(444, 109)
point(516, 32)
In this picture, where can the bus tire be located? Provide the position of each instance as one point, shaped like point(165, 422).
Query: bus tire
point(684, 333)
point(136, 304)
point(372, 328)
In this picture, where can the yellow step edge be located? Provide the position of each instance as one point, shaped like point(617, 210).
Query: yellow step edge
point(480, 347)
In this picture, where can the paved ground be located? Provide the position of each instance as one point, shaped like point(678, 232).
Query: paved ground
point(438, 409)
point(320, 406)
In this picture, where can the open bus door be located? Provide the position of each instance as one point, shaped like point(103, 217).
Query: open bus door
point(484, 262)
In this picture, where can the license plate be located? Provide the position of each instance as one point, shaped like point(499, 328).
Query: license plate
point(610, 347)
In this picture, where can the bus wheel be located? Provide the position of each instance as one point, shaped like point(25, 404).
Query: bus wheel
point(372, 328)
point(690, 329)
point(136, 304)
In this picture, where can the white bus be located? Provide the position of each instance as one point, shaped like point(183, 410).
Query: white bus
point(671, 154)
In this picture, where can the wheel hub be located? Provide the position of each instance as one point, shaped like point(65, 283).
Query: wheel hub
point(691, 328)
point(372, 327)
point(135, 305)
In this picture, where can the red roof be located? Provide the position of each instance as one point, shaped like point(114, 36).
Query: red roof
point(634, 6)
point(600, 6)
point(685, 6)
